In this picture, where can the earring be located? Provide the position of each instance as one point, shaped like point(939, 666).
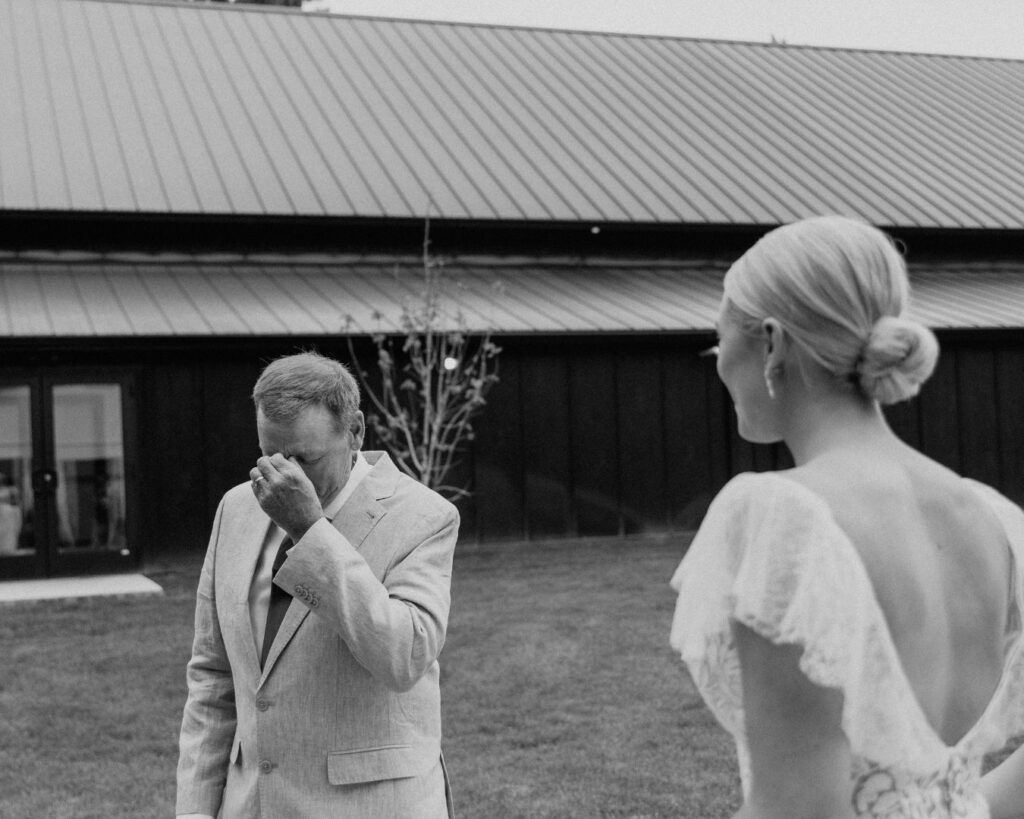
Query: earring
point(769, 383)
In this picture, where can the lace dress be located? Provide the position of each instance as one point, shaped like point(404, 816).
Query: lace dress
point(771, 556)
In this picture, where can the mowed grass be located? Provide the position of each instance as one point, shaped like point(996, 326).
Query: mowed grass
point(561, 695)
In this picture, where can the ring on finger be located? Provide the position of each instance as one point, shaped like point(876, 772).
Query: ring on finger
point(258, 478)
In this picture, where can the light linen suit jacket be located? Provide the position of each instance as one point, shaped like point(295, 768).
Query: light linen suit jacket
point(344, 719)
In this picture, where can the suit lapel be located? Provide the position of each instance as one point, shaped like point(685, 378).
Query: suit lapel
point(292, 620)
point(361, 512)
point(356, 519)
point(237, 565)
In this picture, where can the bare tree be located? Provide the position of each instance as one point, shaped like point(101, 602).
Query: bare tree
point(434, 379)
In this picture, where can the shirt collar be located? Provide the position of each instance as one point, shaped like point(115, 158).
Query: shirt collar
point(360, 469)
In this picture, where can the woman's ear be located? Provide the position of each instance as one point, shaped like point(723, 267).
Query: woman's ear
point(776, 343)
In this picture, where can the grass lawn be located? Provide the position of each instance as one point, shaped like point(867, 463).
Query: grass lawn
point(561, 695)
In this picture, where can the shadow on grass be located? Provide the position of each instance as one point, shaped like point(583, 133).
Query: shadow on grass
point(561, 695)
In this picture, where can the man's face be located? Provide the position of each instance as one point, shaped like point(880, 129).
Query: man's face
point(316, 444)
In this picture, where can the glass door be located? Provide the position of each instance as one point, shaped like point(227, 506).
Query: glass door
point(19, 553)
point(89, 483)
point(65, 493)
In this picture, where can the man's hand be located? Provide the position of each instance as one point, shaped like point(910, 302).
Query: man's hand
point(286, 494)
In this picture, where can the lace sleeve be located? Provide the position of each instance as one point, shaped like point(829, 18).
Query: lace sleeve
point(770, 555)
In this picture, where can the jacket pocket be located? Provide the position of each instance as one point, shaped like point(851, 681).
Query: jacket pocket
point(378, 764)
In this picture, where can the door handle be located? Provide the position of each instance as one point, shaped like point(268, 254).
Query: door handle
point(44, 481)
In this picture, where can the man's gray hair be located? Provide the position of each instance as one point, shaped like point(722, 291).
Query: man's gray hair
point(290, 384)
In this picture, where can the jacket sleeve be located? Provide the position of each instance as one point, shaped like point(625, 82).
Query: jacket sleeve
point(394, 627)
point(208, 723)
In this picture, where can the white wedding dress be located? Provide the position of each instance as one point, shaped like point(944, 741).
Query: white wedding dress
point(770, 555)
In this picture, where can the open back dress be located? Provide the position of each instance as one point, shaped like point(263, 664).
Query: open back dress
point(771, 556)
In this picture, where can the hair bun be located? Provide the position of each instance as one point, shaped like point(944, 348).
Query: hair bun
point(897, 359)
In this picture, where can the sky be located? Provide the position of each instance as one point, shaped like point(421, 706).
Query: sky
point(979, 28)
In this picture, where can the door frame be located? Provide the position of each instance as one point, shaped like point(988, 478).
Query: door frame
point(32, 564)
point(48, 560)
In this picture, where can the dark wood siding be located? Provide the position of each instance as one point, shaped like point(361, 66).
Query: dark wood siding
point(582, 436)
point(547, 463)
point(174, 467)
point(1009, 373)
point(641, 438)
point(938, 409)
point(619, 434)
point(498, 504)
point(594, 436)
point(652, 433)
point(693, 425)
point(979, 426)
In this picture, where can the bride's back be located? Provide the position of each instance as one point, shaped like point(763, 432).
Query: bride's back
point(939, 563)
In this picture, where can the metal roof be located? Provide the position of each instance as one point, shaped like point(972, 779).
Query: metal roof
point(218, 109)
point(65, 295)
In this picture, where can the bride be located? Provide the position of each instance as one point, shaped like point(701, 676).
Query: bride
point(854, 622)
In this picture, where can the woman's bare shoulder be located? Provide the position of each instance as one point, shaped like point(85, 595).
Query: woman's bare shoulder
point(910, 500)
point(852, 482)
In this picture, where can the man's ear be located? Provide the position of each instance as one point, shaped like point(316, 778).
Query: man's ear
point(358, 429)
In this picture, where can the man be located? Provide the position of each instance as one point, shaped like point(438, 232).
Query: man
point(320, 613)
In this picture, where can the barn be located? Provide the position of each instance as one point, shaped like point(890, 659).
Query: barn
point(189, 190)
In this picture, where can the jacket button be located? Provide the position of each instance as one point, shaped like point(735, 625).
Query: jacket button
point(262, 705)
point(266, 766)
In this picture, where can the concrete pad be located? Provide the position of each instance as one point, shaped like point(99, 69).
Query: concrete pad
point(69, 588)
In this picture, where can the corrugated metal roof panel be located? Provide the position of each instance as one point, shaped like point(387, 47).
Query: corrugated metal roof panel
point(82, 296)
point(970, 296)
point(217, 109)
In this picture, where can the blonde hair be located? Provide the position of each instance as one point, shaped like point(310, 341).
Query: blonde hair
point(839, 287)
point(290, 384)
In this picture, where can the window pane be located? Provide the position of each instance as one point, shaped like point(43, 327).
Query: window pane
point(16, 502)
point(89, 452)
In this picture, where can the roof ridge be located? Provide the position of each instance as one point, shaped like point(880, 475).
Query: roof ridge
point(207, 5)
point(272, 9)
point(668, 37)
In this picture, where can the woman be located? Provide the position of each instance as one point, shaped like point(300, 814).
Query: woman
point(854, 622)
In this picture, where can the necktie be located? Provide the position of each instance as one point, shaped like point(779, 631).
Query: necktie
point(279, 601)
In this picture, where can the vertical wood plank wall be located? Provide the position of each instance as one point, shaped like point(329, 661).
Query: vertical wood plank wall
point(606, 436)
point(582, 436)
point(640, 439)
